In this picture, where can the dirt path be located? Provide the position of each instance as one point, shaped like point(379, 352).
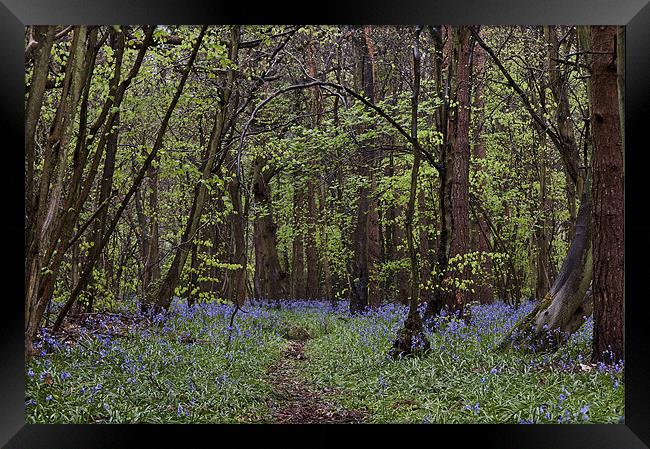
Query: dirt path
point(295, 402)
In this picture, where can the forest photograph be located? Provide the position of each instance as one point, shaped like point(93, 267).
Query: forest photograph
point(324, 224)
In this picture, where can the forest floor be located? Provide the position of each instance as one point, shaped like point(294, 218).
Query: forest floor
point(296, 402)
point(311, 362)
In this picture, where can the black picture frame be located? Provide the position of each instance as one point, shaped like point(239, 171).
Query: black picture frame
point(635, 14)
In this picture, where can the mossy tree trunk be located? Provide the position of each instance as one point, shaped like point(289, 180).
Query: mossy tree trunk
point(567, 304)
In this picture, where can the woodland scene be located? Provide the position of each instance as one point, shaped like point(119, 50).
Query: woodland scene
point(324, 224)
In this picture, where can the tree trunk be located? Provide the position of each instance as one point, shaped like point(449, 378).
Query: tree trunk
point(608, 198)
point(312, 287)
point(559, 85)
point(543, 275)
point(411, 339)
point(566, 305)
point(425, 267)
point(457, 167)
point(298, 287)
point(238, 226)
point(402, 275)
point(164, 294)
point(44, 35)
point(272, 280)
point(482, 287)
point(360, 266)
point(327, 273)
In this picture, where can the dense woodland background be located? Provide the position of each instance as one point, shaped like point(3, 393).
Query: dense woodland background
point(433, 166)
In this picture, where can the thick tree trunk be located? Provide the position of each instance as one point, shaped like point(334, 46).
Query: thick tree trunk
point(272, 280)
point(543, 272)
point(608, 197)
point(238, 226)
point(459, 130)
point(482, 287)
point(454, 197)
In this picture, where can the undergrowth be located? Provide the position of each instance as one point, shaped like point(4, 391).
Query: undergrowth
point(191, 367)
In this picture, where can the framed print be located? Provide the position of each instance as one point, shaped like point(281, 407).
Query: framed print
point(271, 220)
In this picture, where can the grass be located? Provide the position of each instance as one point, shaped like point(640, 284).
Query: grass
point(184, 370)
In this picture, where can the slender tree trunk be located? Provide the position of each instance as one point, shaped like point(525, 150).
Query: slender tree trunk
point(360, 275)
point(425, 267)
point(313, 284)
point(164, 293)
point(95, 253)
point(389, 235)
point(298, 287)
point(442, 54)
point(327, 273)
point(559, 85)
point(401, 255)
point(411, 339)
point(44, 35)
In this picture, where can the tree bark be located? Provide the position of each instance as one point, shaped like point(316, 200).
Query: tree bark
point(608, 198)
point(482, 287)
point(271, 279)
